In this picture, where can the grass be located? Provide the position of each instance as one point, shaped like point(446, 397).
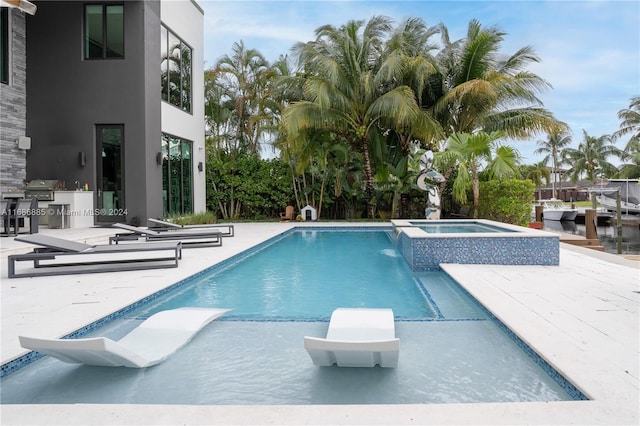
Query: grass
point(194, 219)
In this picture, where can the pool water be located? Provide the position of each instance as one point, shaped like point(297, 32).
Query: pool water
point(308, 274)
point(452, 227)
point(451, 348)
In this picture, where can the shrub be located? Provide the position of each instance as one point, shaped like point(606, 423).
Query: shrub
point(507, 201)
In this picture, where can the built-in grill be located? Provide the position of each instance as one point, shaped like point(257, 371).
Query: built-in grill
point(43, 189)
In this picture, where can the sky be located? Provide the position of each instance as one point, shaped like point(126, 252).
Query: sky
point(589, 50)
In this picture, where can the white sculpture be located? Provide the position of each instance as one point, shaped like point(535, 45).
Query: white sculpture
point(427, 180)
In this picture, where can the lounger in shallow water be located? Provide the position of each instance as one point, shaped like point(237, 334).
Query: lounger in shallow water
point(149, 344)
point(357, 338)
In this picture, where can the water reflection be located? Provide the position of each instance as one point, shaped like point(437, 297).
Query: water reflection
point(607, 234)
point(567, 226)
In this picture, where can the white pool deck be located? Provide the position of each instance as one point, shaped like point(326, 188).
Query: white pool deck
point(581, 316)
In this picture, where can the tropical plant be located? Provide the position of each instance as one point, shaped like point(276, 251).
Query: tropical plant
point(507, 200)
point(553, 147)
point(631, 153)
point(630, 120)
point(244, 78)
point(483, 91)
point(246, 186)
point(468, 153)
point(591, 158)
point(346, 91)
point(536, 173)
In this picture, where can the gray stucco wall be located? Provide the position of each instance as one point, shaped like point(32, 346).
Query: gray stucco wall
point(68, 96)
point(13, 109)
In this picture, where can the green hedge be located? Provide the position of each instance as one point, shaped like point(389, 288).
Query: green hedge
point(507, 201)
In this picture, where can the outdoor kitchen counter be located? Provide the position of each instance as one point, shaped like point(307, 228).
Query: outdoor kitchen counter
point(81, 211)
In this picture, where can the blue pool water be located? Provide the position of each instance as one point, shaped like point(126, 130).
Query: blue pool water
point(452, 227)
point(308, 274)
point(451, 348)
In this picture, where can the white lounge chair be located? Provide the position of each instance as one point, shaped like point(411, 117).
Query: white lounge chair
point(148, 344)
point(357, 337)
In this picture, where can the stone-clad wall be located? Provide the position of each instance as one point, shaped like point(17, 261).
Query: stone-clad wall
point(13, 109)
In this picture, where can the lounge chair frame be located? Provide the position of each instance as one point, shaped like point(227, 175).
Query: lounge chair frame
point(57, 256)
point(163, 225)
point(202, 238)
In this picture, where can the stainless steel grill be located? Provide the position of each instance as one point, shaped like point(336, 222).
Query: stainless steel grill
point(43, 189)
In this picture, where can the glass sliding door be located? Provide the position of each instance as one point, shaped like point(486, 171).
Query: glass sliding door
point(110, 205)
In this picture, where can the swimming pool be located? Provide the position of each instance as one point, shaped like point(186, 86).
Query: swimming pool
point(452, 350)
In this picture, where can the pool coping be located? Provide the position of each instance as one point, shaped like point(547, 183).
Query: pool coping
point(615, 391)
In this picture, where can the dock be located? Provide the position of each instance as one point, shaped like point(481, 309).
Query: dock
point(581, 241)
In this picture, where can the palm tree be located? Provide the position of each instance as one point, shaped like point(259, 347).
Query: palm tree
point(631, 153)
point(553, 147)
point(591, 157)
point(468, 152)
point(244, 77)
point(482, 91)
point(346, 91)
point(537, 173)
point(630, 120)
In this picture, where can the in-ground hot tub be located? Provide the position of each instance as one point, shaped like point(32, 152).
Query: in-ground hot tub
point(425, 244)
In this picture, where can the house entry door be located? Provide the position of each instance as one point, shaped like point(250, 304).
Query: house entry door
point(110, 206)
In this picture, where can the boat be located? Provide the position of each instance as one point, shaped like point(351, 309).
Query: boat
point(629, 190)
point(554, 209)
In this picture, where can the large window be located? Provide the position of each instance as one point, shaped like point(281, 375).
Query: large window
point(177, 172)
point(103, 31)
point(4, 45)
point(175, 67)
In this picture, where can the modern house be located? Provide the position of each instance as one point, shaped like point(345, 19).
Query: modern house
point(107, 94)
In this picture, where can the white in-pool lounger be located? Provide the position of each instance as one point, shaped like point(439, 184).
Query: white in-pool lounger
point(357, 338)
point(149, 344)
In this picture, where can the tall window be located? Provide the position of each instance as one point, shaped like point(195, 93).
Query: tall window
point(4, 45)
point(175, 68)
point(103, 31)
point(177, 172)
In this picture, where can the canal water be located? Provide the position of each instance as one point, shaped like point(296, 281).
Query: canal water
point(607, 234)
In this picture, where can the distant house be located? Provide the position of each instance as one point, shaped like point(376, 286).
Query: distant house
point(566, 191)
point(106, 93)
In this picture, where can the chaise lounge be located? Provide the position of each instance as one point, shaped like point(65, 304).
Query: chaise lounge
point(191, 238)
point(57, 256)
point(163, 225)
point(357, 337)
point(149, 344)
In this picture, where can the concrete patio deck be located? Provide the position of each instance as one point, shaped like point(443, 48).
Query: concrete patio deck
point(581, 316)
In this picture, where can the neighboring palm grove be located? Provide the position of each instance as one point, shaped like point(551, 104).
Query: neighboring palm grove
point(348, 115)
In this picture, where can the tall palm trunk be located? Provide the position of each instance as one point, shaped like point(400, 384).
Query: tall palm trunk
point(368, 175)
point(476, 191)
